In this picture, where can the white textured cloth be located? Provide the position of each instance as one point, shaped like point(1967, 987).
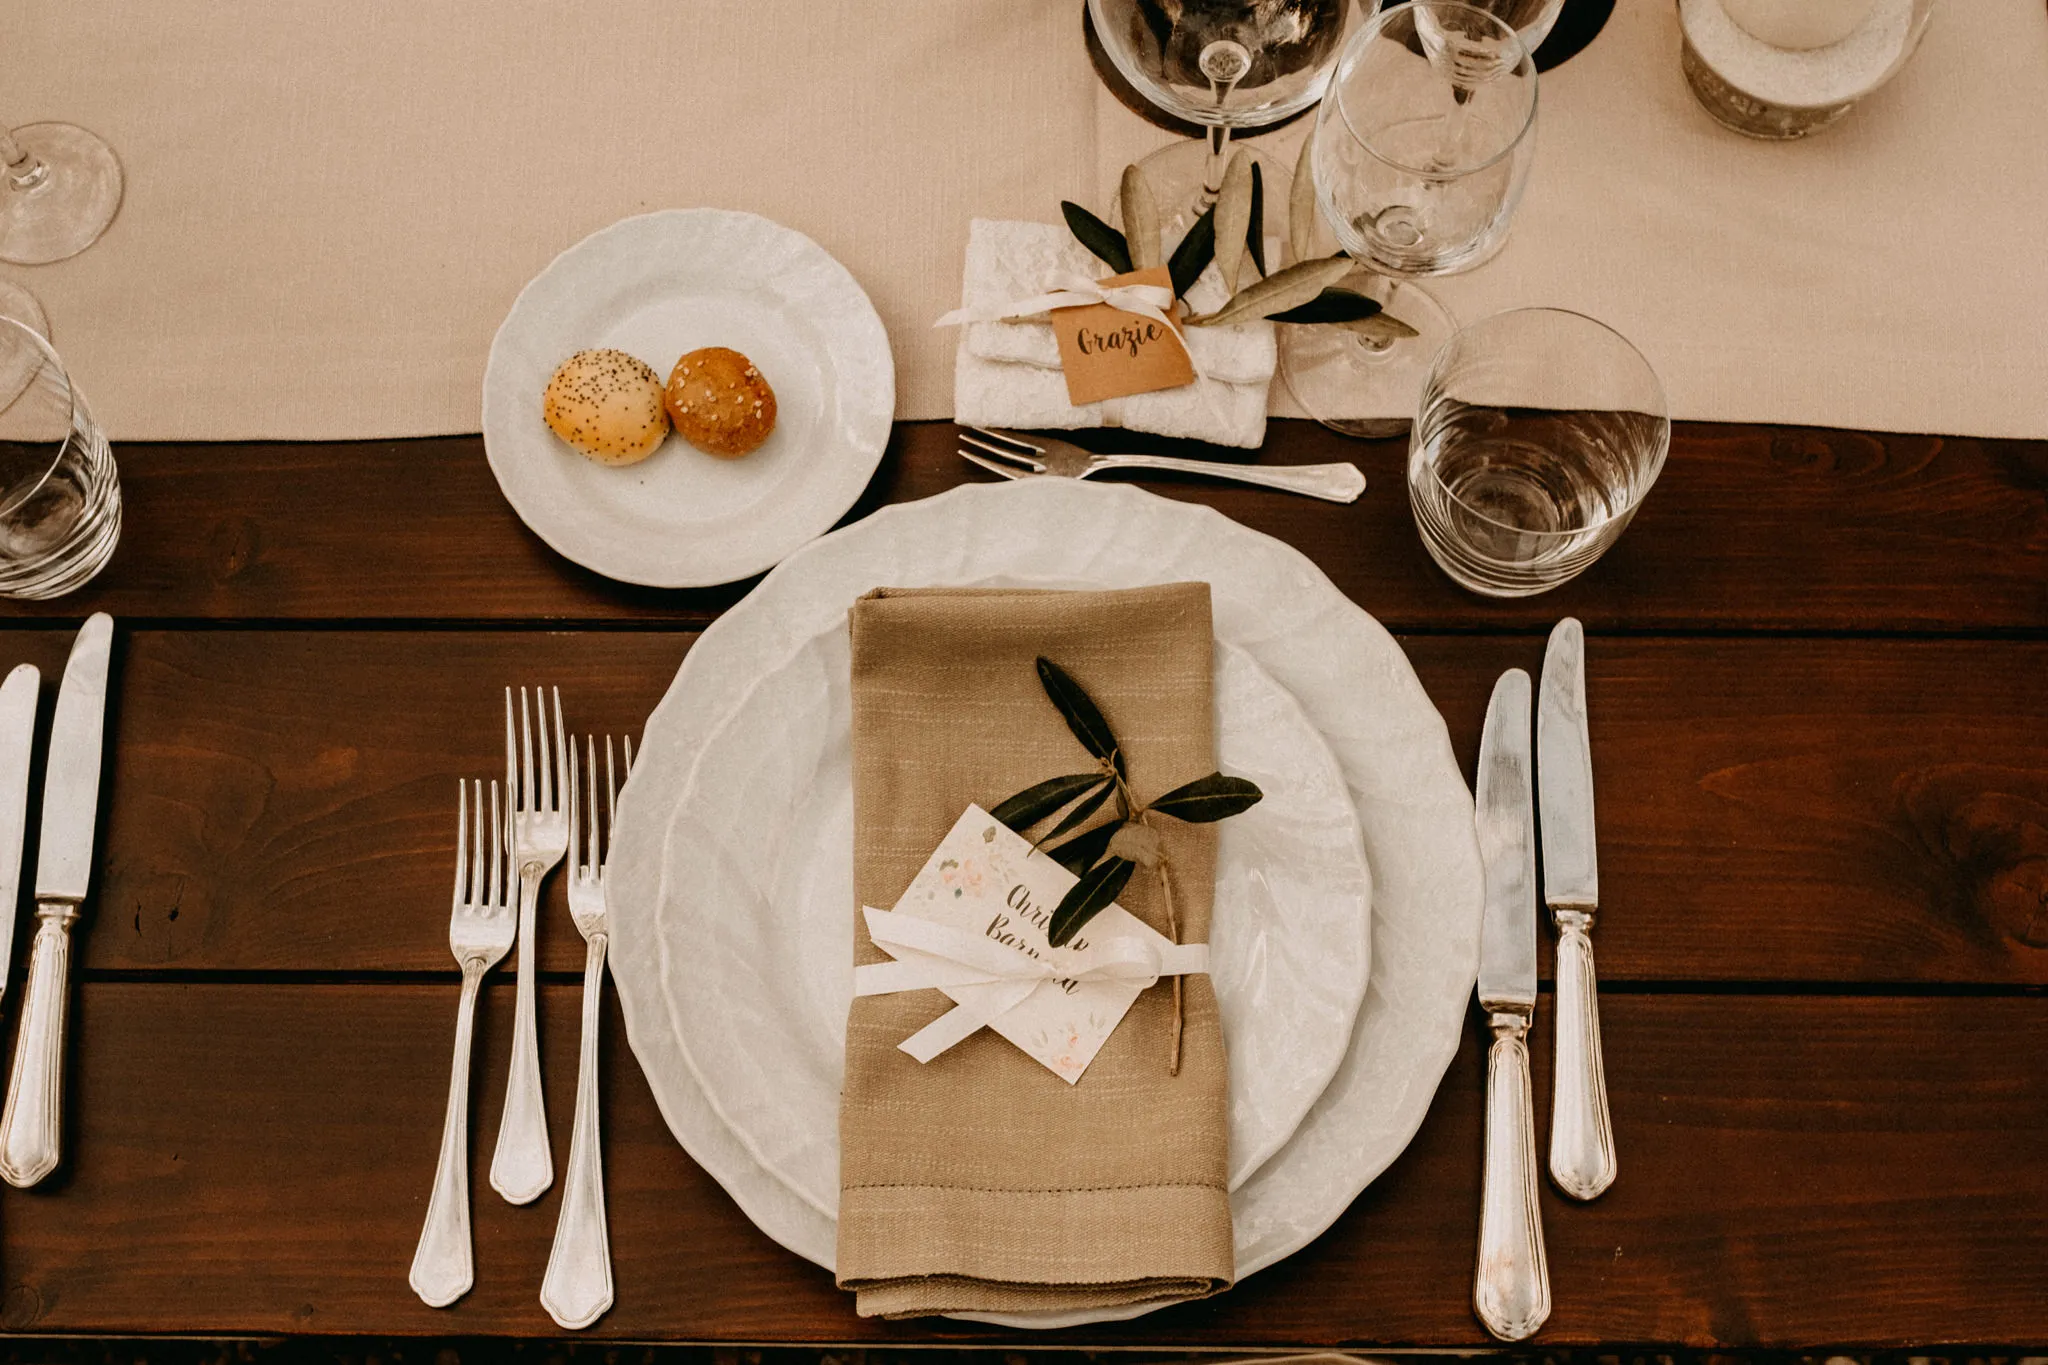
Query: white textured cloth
point(330, 208)
point(1008, 260)
point(1007, 373)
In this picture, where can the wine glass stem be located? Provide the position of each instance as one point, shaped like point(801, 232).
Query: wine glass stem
point(1217, 162)
point(24, 172)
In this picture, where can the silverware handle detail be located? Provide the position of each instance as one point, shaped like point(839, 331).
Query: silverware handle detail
point(578, 1286)
point(1331, 482)
point(32, 1127)
point(1511, 1289)
point(1582, 1160)
point(523, 1166)
point(442, 1267)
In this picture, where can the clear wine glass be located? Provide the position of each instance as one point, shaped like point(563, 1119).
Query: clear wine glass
point(1227, 65)
point(60, 498)
point(60, 186)
point(1422, 146)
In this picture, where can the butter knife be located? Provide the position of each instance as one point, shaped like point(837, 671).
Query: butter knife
point(1511, 1287)
point(17, 742)
point(31, 1127)
point(1582, 1158)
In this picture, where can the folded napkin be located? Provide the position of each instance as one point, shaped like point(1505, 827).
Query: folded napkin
point(981, 1181)
point(1006, 374)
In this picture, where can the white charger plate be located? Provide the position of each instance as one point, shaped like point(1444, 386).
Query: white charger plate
point(657, 286)
point(756, 930)
point(1347, 674)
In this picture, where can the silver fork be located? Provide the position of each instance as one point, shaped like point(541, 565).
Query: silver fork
point(523, 1166)
point(578, 1285)
point(480, 932)
point(1013, 457)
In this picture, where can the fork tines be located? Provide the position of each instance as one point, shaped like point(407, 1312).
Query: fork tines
point(482, 881)
point(588, 840)
point(536, 787)
point(1015, 453)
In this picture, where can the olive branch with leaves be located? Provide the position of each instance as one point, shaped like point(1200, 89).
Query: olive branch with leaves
point(1105, 856)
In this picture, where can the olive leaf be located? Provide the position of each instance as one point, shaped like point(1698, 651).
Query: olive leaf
point(1210, 798)
point(1301, 202)
point(1332, 305)
point(1141, 218)
point(1080, 853)
point(1080, 713)
point(1381, 329)
point(1078, 816)
point(1233, 212)
point(1098, 887)
point(1194, 253)
point(1277, 293)
point(1255, 229)
point(1099, 237)
point(1034, 803)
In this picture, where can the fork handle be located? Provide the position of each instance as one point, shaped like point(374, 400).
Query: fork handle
point(442, 1267)
point(31, 1128)
point(1330, 482)
point(523, 1166)
point(578, 1286)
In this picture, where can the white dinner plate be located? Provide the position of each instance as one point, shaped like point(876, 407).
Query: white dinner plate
point(1347, 674)
point(757, 932)
point(657, 286)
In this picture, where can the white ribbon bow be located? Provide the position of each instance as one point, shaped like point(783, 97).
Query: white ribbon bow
point(930, 954)
point(1065, 289)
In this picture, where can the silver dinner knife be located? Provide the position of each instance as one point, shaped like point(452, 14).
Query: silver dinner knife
point(17, 742)
point(1511, 1288)
point(1582, 1158)
point(31, 1127)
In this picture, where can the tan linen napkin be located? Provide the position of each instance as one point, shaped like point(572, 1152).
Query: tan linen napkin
point(981, 1181)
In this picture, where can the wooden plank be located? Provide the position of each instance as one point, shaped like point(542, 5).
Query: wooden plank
point(255, 1159)
point(1769, 810)
point(1750, 527)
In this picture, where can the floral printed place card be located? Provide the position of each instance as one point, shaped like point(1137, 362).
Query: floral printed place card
point(973, 924)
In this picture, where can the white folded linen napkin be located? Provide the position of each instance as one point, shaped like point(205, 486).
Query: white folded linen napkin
point(1009, 260)
point(1006, 374)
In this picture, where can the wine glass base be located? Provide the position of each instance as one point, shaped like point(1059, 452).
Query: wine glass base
point(1350, 385)
point(1176, 173)
point(67, 210)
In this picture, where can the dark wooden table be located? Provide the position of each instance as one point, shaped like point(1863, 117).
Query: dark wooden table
point(1818, 670)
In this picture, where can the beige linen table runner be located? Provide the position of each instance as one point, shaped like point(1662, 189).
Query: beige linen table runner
point(981, 1181)
point(330, 208)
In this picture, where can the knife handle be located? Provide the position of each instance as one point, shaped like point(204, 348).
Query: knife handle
point(1582, 1158)
point(31, 1129)
point(1511, 1289)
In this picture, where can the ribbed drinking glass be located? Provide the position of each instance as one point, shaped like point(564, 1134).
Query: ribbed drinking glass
point(60, 500)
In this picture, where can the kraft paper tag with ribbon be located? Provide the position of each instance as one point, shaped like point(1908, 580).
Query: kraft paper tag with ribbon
point(973, 924)
point(1108, 352)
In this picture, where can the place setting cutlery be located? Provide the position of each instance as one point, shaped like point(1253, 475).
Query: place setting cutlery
point(549, 814)
point(1016, 457)
point(1511, 1284)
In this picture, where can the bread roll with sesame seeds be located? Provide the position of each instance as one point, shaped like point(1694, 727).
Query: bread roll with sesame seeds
point(607, 404)
point(720, 403)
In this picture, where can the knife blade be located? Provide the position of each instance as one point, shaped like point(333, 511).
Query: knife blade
point(1582, 1157)
point(1511, 1285)
point(31, 1127)
point(17, 744)
point(71, 783)
point(1507, 847)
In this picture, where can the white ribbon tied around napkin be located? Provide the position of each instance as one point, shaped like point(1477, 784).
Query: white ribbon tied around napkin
point(1065, 289)
point(930, 954)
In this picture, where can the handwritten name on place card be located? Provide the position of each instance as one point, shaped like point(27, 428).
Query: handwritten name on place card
point(1106, 352)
